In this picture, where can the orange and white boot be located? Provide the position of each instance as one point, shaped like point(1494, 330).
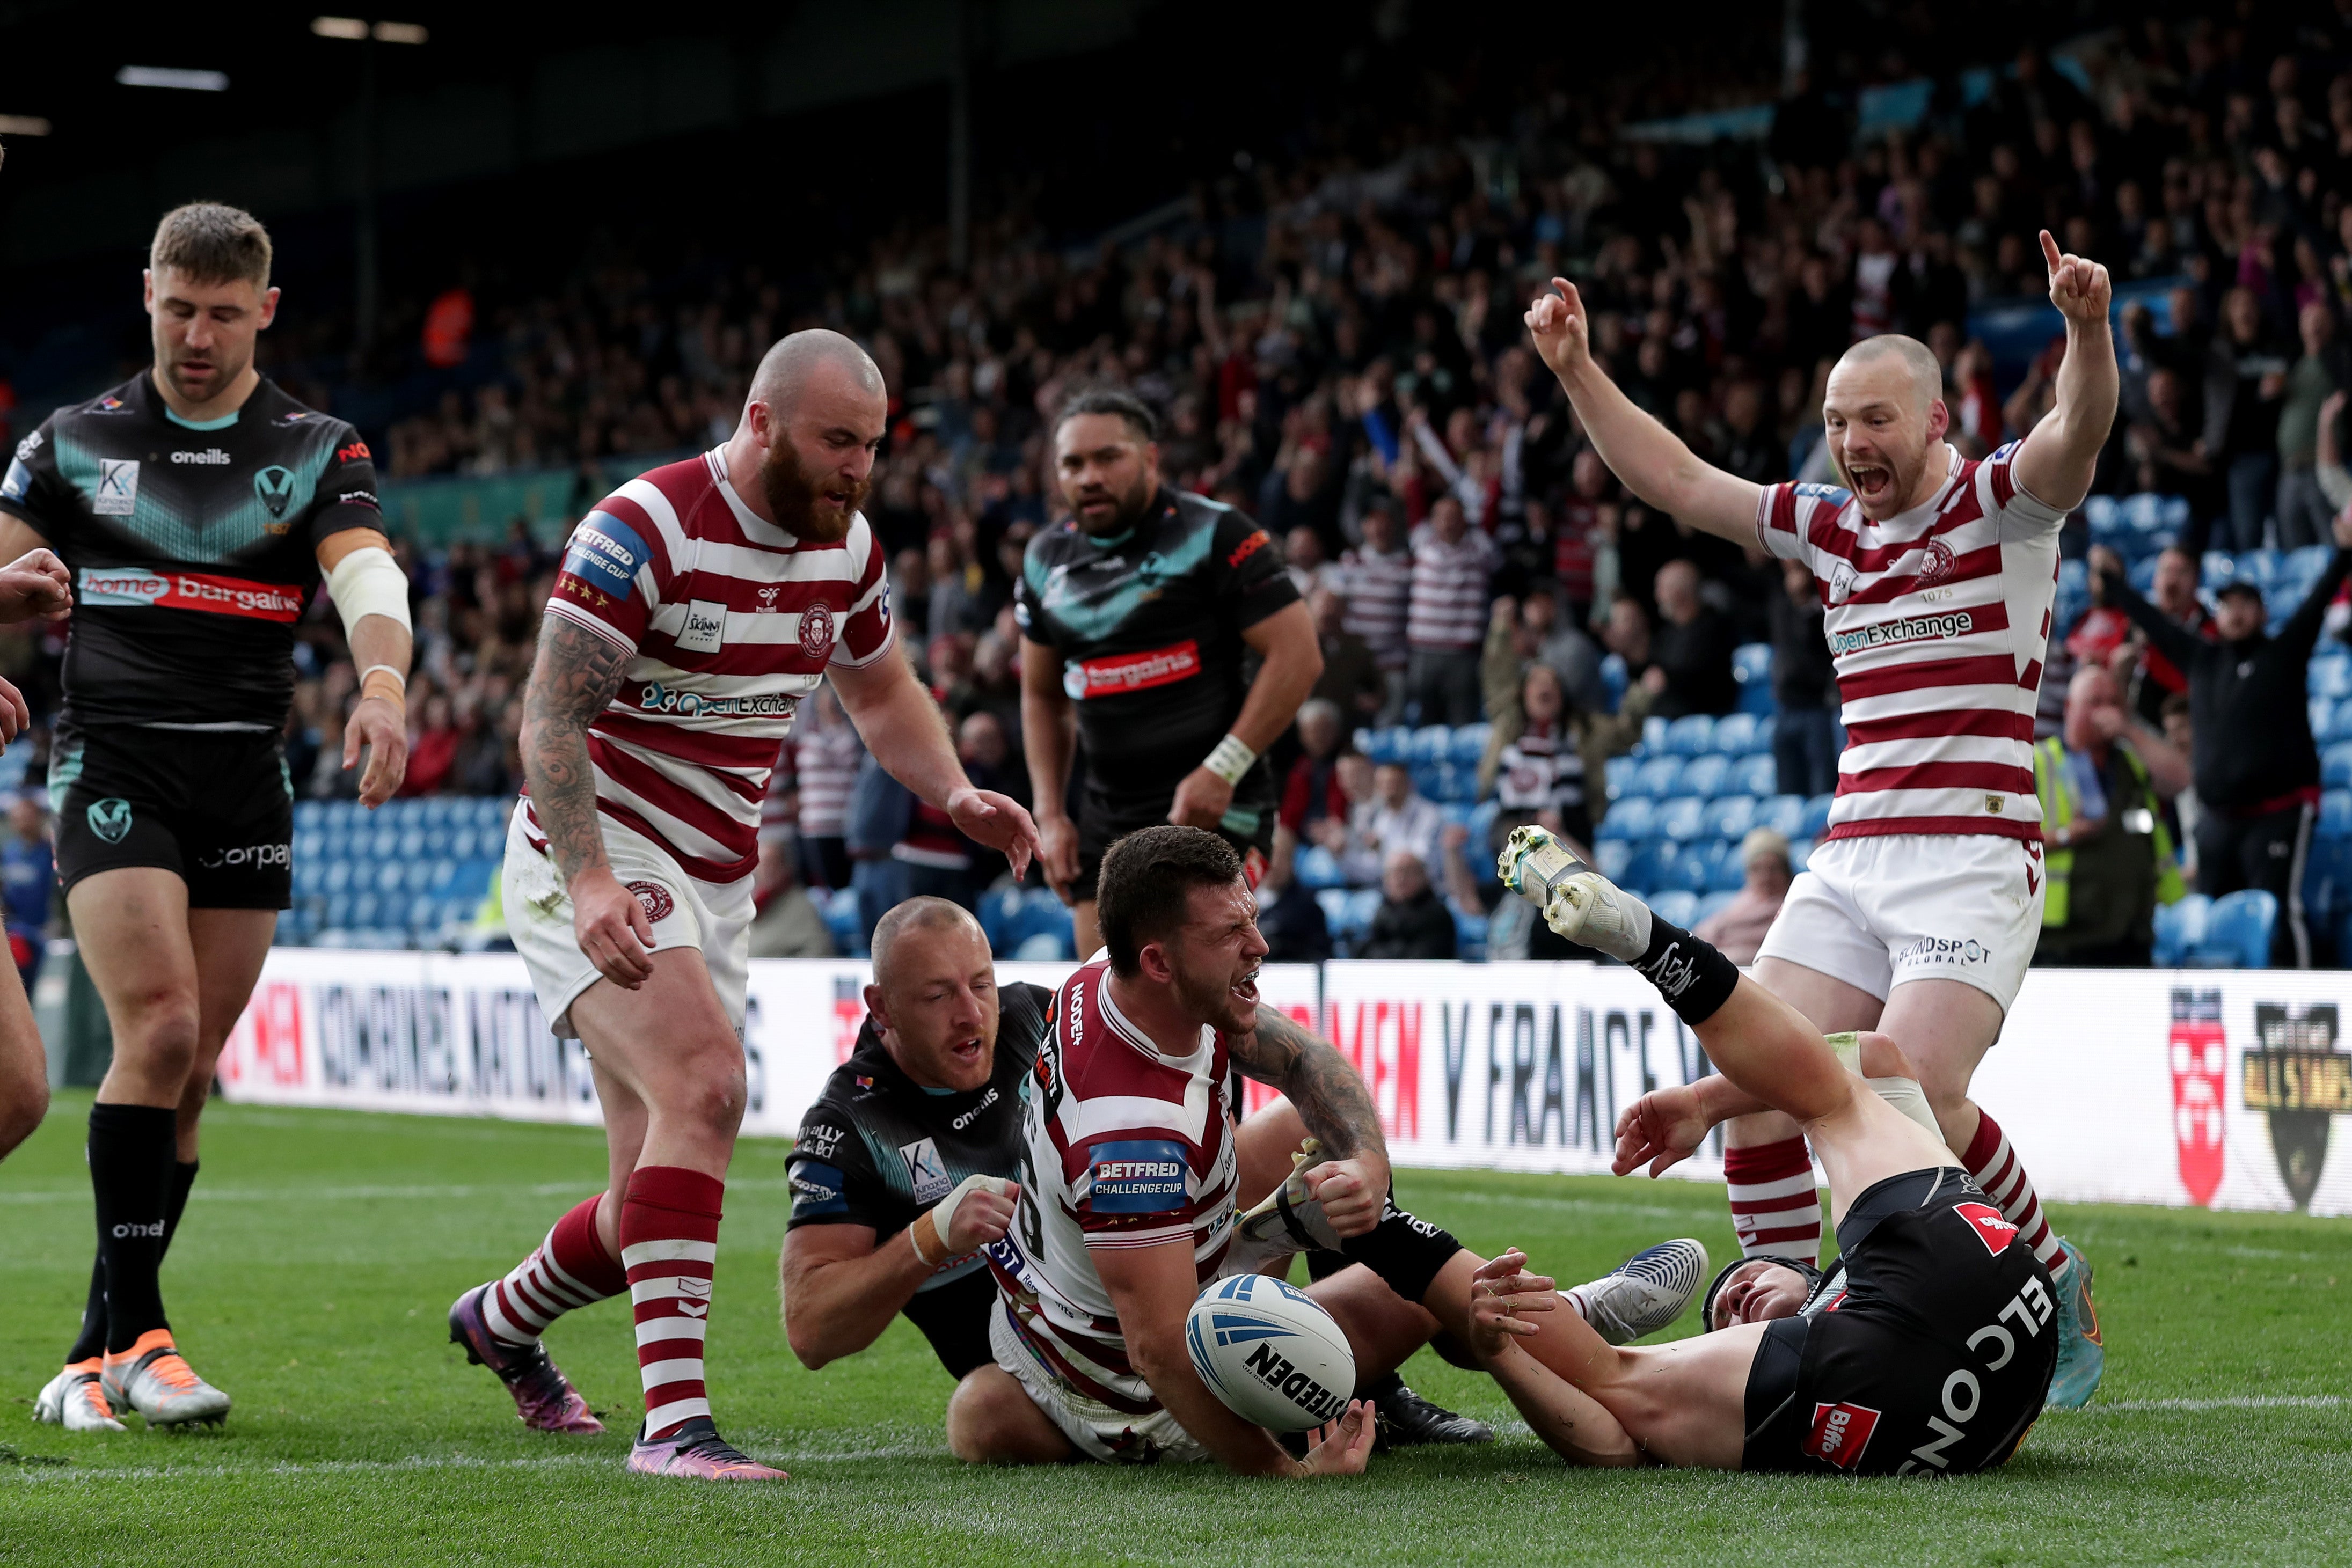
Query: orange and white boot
point(153, 1378)
point(74, 1400)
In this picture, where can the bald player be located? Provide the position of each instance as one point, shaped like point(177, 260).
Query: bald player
point(1919, 909)
point(697, 605)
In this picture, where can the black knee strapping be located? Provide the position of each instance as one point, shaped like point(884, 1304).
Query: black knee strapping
point(1405, 1250)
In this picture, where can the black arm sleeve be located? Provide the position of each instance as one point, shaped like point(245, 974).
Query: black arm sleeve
point(2302, 629)
point(2172, 640)
point(1249, 570)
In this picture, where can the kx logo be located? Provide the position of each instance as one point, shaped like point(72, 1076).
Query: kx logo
point(275, 487)
point(109, 820)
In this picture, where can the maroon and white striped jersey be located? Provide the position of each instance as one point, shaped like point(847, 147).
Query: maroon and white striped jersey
point(729, 622)
point(1122, 1146)
point(1938, 621)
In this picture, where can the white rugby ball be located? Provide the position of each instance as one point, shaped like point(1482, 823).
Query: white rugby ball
point(1272, 1353)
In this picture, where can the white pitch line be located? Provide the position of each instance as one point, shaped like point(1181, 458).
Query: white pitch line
point(366, 1194)
point(2234, 1402)
point(36, 1471)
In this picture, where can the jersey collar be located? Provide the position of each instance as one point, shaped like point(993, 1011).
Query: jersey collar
point(756, 529)
point(1134, 1035)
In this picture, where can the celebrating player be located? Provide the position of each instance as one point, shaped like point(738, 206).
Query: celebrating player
point(697, 605)
point(1136, 612)
point(195, 506)
point(1922, 904)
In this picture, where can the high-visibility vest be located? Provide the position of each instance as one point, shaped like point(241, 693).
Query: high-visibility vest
point(2058, 810)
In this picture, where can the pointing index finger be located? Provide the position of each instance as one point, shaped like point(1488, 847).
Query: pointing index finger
point(2050, 254)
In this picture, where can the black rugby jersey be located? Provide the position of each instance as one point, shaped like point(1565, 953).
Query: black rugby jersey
point(191, 546)
point(878, 1149)
point(1149, 628)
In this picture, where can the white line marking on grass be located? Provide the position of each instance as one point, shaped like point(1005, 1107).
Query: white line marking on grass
point(371, 1194)
point(2234, 1402)
point(32, 1474)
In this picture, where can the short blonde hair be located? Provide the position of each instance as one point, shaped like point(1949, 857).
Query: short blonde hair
point(208, 242)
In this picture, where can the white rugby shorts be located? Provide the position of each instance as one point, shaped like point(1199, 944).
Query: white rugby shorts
point(713, 917)
point(1878, 912)
point(1093, 1428)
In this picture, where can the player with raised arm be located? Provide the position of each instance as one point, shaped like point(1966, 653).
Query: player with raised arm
point(1137, 612)
point(1920, 910)
point(699, 605)
point(196, 506)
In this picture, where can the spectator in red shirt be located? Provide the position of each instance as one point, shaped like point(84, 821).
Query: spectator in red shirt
point(1312, 791)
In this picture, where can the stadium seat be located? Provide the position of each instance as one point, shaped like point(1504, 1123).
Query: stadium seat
point(1730, 816)
point(1679, 817)
point(1690, 735)
point(1649, 866)
point(1315, 867)
point(2336, 766)
point(309, 815)
point(1469, 744)
point(1658, 777)
point(2141, 575)
point(1713, 904)
point(1613, 678)
point(1620, 771)
point(999, 912)
point(1751, 662)
point(1756, 774)
point(1430, 743)
point(1704, 777)
point(1676, 907)
point(2330, 678)
point(1800, 851)
point(1363, 903)
point(1333, 902)
point(1735, 734)
point(840, 910)
point(310, 876)
point(1388, 744)
point(2237, 932)
point(1654, 736)
point(1612, 856)
point(1632, 817)
point(1817, 816)
point(2335, 814)
point(1482, 831)
point(2179, 926)
point(1784, 814)
point(1469, 936)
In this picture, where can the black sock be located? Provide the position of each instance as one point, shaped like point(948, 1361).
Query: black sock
point(1406, 1252)
point(1694, 977)
point(130, 1150)
point(1380, 1387)
point(91, 1341)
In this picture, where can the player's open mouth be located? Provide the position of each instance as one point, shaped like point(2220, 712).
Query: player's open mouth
point(968, 1051)
point(1246, 988)
point(1869, 482)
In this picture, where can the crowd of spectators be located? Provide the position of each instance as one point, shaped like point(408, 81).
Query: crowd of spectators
point(1336, 347)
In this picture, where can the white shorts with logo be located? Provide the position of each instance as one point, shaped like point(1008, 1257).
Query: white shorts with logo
point(714, 917)
point(1877, 912)
point(1093, 1428)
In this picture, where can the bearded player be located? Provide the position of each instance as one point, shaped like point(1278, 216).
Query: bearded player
point(698, 606)
point(1920, 910)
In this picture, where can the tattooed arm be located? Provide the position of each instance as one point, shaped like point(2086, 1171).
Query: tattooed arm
point(575, 675)
point(1352, 1182)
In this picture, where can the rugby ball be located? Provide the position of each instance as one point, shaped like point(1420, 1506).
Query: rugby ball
point(1272, 1353)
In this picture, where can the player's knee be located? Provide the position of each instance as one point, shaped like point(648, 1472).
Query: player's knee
point(157, 1028)
point(23, 1103)
point(989, 1419)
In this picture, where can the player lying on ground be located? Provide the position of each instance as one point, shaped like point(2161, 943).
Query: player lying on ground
point(1132, 1174)
point(1938, 1357)
point(904, 1167)
point(698, 607)
point(1921, 907)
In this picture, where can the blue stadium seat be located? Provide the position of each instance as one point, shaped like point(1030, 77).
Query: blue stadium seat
point(1481, 833)
point(1756, 774)
point(1315, 867)
point(2075, 577)
point(1647, 868)
point(387, 876)
point(384, 844)
point(1613, 678)
point(1635, 817)
point(1430, 743)
point(2179, 927)
point(1817, 816)
point(1731, 816)
point(1469, 936)
point(435, 840)
point(1735, 734)
point(2335, 814)
point(309, 844)
point(1690, 735)
point(1620, 771)
point(2102, 514)
point(2336, 765)
point(1387, 745)
point(411, 844)
point(1684, 867)
point(1654, 736)
point(1676, 907)
point(1752, 661)
point(1784, 814)
point(1705, 776)
point(1731, 873)
point(1612, 856)
point(309, 815)
point(840, 909)
point(1363, 904)
point(2217, 568)
point(2237, 932)
point(1045, 916)
point(2330, 678)
point(1469, 744)
point(999, 912)
point(342, 814)
point(1800, 852)
point(1679, 818)
point(1333, 902)
point(337, 877)
point(432, 811)
point(1657, 778)
point(462, 843)
point(310, 877)
point(2141, 575)
point(1713, 904)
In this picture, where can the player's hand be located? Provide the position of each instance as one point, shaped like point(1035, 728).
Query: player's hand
point(1502, 1296)
point(2078, 286)
point(980, 1218)
point(15, 718)
point(1000, 821)
point(1202, 801)
point(36, 586)
point(379, 726)
point(1661, 1128)
point(1557, 322)
point(1058, 853)
point(612, 929)
point(1342, 1447)
point(1352, 1192)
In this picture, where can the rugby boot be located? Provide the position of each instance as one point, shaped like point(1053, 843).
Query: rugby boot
point(1289, 1214)
point(2082, 1352)
point(697, 1450)
point(1647, 1293)
point(153, 1378)
point(74, 1400)
point(1404, 1419)
point(1579, 904)
point(544, 1398)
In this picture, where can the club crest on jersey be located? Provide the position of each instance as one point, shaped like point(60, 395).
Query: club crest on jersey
point(275, 487)
point(1990, 1227)
point(654, 899)
point(1840, 1433)
point(1936, 564)
point(118, 487)
point(816, 631)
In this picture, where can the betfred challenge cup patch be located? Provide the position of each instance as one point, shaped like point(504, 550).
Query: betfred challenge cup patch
point(654, 899)
point(1991, 1229)
point(1840, 1433)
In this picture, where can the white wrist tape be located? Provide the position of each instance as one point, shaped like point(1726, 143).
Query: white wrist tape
point(1904, 1093)
point(368, 581)
point(1230, 761)
point(930, 1231)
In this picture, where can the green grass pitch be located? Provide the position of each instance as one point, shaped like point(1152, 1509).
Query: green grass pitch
point(322, 1249)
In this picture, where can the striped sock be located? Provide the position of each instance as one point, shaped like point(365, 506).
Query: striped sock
point(1775, 1211)
point(1994, 1167)
point(669, 1240)
point(570, 1270)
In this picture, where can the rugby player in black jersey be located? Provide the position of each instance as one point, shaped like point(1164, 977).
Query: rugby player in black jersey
point(195, 507)
point(1137, 611)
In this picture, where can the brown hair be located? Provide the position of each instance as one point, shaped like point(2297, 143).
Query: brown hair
point(206, 242)
point(1143, 891)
